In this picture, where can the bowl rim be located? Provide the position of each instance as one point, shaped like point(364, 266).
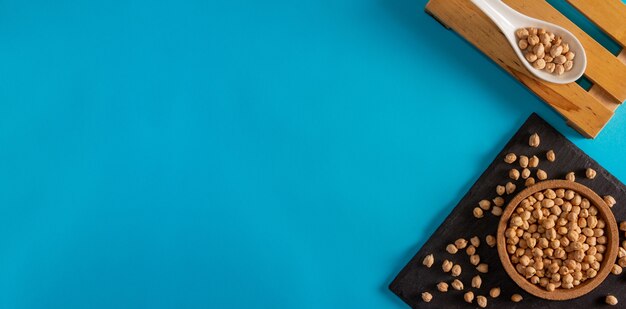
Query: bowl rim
point(611, 246)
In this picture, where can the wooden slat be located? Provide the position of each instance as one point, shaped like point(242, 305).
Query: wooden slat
point(603, 68)
point(584, 112)
point(599, 93)
point(604, 98)
point(608, 15)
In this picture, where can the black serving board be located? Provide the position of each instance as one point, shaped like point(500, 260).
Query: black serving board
point(416, 278)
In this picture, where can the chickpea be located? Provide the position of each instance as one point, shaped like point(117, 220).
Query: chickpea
point(534, 139)
point(442, 287)
point(611, 300)
point(428, 260)
point(481, 301)
point(494, 292)
point(476, 282)
point(510, 158)
point(457, 284)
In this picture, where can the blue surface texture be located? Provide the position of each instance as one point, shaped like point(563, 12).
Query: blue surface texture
point(239, 154)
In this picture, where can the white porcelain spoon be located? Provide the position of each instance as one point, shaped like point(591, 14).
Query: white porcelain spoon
point(509, 20)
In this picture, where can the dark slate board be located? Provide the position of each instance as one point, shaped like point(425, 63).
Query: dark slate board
point(416, 278)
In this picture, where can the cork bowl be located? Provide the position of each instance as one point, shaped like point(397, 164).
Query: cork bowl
point(610, 254)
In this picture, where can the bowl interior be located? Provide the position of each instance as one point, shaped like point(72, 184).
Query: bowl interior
point(611, 246)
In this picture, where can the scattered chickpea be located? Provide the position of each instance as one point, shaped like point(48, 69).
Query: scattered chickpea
point(534, 139)
point(510, 187)
point(429, 260)
point(514, 174)
point(616, 269)
point(456, 270)
point(533, 161)
point(498, 201)
point(427, 297)
point(611, 300)
point(541, 174)
point(478, 213)
point(484, 204)
point(457, 284)
point(523, 161)
point(570, 176)
point(490, 240)
point(475, 259)
point(529, 182)
point(516, 298)
point(482, 268)
point(451, 249)
point(609, 200)
point(496, 211)
point(460, 243)
point(468, 297)
point(525, 173)
point(446, 266)
point(442, 287)
point(510, 158)
point(494, 292)
point(590, 173)
point(475, 241)
point(481, 301)
point(500, 190)
point(550, 155)
point(476, 282)
point(471, 250)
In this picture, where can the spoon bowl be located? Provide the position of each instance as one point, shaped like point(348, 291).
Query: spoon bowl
point(509, 20)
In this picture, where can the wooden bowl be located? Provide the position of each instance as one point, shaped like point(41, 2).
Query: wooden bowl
point(612, 245)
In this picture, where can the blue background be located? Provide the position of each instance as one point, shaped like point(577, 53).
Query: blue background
point(239, 154)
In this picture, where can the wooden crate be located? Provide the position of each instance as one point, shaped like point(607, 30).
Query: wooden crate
point(586, 111)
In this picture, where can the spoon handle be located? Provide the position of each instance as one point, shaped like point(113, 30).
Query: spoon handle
point(501, 14)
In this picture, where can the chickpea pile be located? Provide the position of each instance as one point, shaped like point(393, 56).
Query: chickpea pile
point(544, 50)
point(555, 239)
